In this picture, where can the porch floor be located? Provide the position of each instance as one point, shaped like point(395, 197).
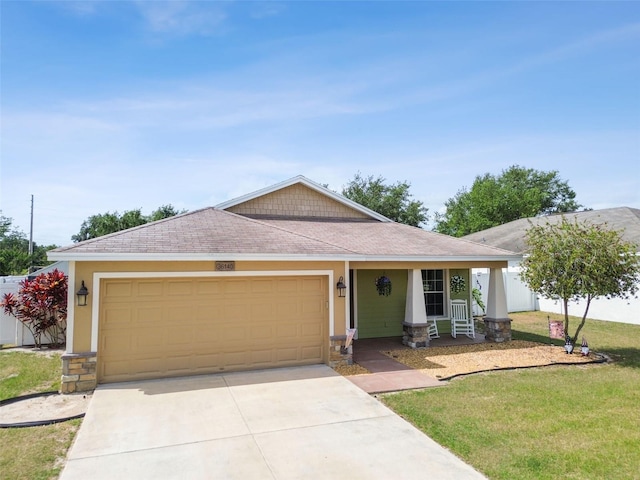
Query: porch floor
point(388, 375)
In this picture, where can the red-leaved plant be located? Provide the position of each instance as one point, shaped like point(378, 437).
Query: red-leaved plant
point(41, 305)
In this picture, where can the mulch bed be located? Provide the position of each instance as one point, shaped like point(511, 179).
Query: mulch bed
point(447, 362)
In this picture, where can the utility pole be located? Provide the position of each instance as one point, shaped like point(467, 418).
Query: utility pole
point(31, 238)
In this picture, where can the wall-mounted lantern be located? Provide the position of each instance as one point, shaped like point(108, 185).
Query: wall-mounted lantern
point(342, 288)
point(82, 295)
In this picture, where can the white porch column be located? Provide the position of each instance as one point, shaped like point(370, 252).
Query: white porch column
point(416, 331)
point(415, 310)
point(497, 323)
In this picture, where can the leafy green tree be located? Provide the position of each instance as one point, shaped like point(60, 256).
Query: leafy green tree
point(393, 201)
point(573, 261)
point(517, 192)
point(105, 223)
point(164, 211)
point(14, 251)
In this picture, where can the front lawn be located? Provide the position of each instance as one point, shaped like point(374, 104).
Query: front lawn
point(34, 452)
point(544, 423)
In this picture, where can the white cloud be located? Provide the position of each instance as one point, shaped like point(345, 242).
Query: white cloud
point(183, 17)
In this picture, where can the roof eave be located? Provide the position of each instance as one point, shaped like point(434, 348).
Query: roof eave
point(195, 257)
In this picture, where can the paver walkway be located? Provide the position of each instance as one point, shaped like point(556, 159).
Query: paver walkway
point(388, 375)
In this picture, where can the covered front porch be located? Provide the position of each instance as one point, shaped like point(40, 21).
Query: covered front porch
point(420, 302)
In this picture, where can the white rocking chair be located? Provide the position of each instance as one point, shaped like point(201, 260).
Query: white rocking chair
point(461, 321)
point(432, 329)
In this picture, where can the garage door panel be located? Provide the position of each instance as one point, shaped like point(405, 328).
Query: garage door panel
point(148, 341)
point(261, 333)
point(312, 285)
point(239, 286)
point(312, 307)
point(238, 312)
point(203, 325)
point(287, 331)
point(116, 342)
point(149, 315)
point(150, 288)
point(288, 309)
point(179, 288)
point(238, 358)
point(208, 361)
point(311, 330)
point(262, 286)
point(180, 335)
point(149, 366)
point(262, 357)
point(206, 313)
point(117, 369)
point(179, 363)
point(262, 311)
point(117, 317)
point(310, 352)
point(290, 286)
point(208, 287)
point(289, 354)
point(118, 290)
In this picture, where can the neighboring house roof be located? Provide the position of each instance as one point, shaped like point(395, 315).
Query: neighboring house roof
point(299, 220)
point(511, 236)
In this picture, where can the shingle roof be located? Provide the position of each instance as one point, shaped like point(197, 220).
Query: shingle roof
point(216, 233)
point(388, 238)
point(208, 231)
point(511, 236)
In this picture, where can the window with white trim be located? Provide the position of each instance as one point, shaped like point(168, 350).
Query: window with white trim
point(434, 292)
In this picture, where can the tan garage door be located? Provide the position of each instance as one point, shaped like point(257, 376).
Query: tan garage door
point(151, 328)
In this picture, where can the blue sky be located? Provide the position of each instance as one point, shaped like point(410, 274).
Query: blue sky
point(111, 105)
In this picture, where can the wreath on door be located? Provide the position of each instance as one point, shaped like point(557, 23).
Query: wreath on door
point(457, 284)
point(383, 285)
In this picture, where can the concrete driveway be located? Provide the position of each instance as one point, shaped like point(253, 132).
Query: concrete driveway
point(288, 423)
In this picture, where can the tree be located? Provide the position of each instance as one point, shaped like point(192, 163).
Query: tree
point(516, 193)
point(41, 305)
point(14, 250)
point(164, 211)
point(105, 223)
point(570, 261)
point(393, 201)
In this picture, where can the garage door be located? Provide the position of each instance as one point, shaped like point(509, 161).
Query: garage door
point(152, 328)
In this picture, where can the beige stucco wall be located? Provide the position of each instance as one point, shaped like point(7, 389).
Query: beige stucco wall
point(296, 200)
point(82, 323)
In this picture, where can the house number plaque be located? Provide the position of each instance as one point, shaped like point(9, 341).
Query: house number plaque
point(225, 266)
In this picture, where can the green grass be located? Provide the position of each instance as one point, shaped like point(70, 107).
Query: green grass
point(34, 452)
point(545, 423)
point(27, 372)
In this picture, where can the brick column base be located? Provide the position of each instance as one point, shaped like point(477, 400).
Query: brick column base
point(415, 335)
point(497, 329)
point(339, 355)
point(79, 372)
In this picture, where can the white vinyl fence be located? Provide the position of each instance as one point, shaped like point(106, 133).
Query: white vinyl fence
point(521, 299)
point(12, 331)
